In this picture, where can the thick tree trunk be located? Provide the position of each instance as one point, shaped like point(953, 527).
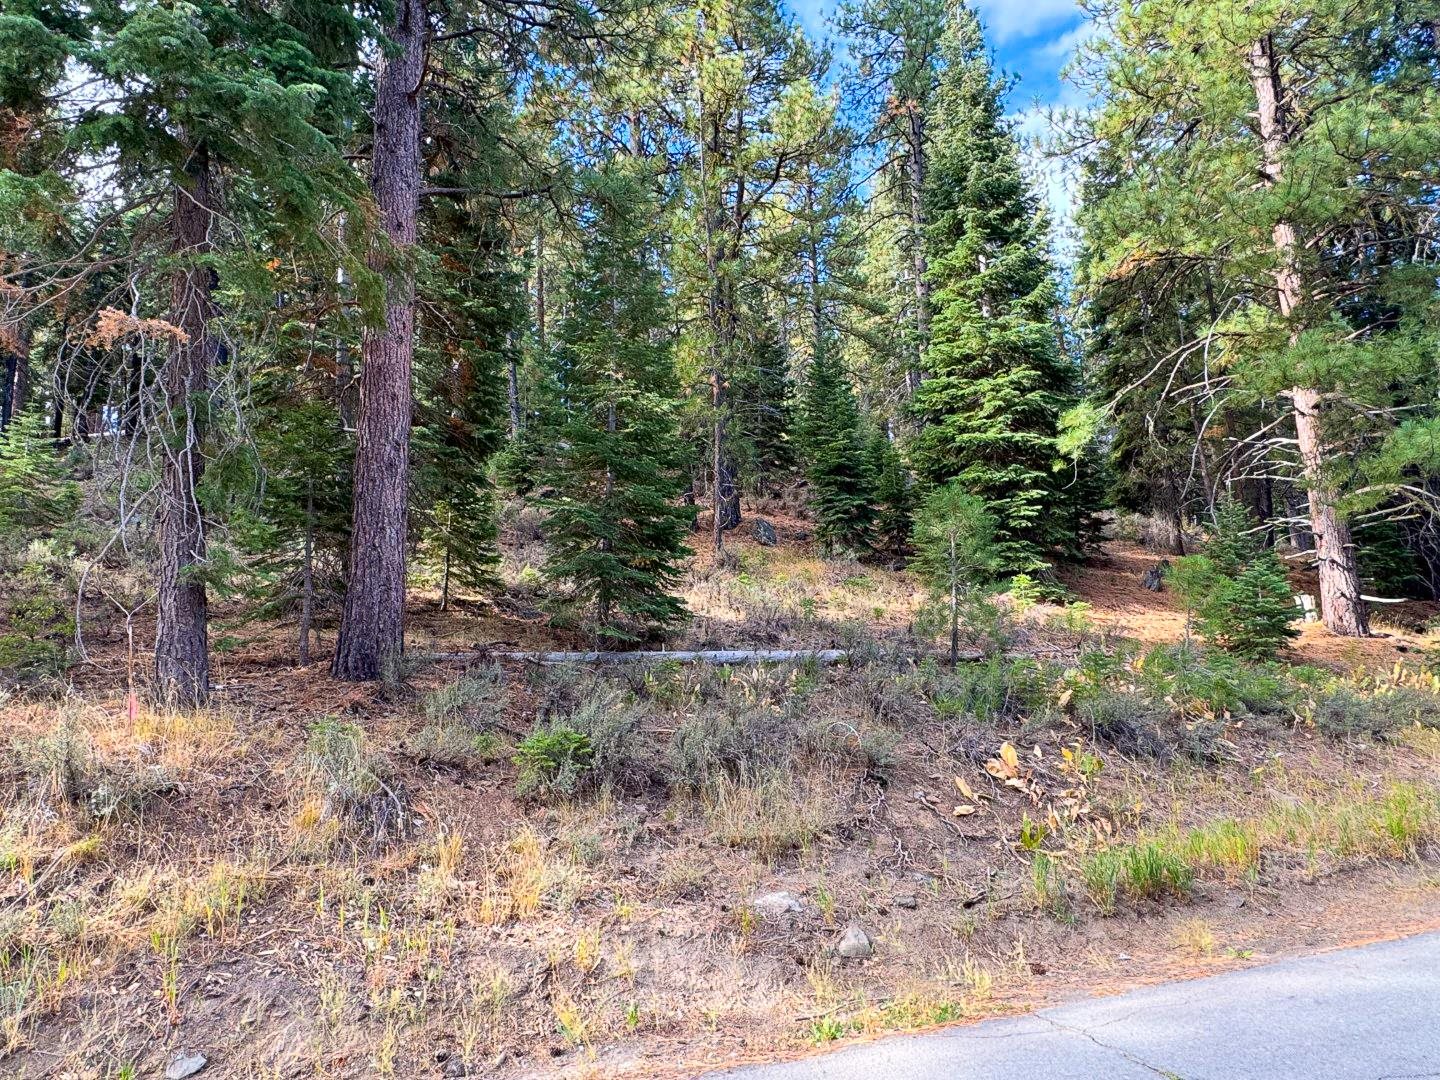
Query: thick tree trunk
point(1341, 607)
point(182, 647)
point(372, 626)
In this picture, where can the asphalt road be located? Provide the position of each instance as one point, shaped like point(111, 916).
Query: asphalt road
point(1368, 1013)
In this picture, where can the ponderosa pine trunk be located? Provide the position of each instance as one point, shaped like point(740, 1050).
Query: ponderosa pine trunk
point(1341, 606)
point(372, 625)
point(182, 645)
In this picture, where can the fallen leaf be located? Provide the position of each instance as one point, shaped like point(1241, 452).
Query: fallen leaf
point(1009, 757)
point(964, 810)
point(964, 787)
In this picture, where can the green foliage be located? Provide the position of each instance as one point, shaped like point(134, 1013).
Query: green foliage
point(894, 494)
point(41, 623)
point(1344, 712)
point(957, 557)
point(37, 495)
point(842, 483)
point(1238, 591)
point(995, 385)
point(616, 534)
point(553, 760)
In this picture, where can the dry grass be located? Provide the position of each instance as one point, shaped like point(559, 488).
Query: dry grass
point(309, 884)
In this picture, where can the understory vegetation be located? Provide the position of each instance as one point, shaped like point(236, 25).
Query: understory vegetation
point(950, 811)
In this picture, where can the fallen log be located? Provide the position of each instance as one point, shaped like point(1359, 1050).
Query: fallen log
point(640, 656)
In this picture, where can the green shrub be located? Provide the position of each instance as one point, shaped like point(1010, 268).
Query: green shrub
point(1237, 593)
point(553, 759)
point(478, 696)
point(613, 729)
point(64, 763)
point(735, 741)
point(452, 744)
point(1344, 712)
point(991, 691)
point(1127, 721)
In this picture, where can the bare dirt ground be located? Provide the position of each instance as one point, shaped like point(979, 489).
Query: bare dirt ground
point(241, 908)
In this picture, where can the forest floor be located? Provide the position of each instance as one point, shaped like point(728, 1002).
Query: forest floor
point(313, 878)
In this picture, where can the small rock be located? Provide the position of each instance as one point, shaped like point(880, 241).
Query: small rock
point(455, 1066)
point(185, 1063)
point(764, 533)
point(777, 905)
point(855, 943)
point(907, 901)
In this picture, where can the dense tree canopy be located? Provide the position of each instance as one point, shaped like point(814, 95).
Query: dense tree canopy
point(298, 292)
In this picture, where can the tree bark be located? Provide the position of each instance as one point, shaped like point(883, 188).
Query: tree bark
point(182, 646)
point(1341, 607)
point(307, 575)
point(372, 625)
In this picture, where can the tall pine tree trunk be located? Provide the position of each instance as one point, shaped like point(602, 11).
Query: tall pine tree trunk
point(1340, 604)
point(182, 646)
point(372, 626)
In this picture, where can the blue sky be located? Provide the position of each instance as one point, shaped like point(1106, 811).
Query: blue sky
point(1032, 40)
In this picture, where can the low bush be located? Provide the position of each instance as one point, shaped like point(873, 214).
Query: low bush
point(64, 764)
point(338, 766)
point(453, 744)
point(772, 813)
point(1346, 712)
point(553, 759)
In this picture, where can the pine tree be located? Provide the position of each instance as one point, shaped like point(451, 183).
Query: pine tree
point(36, 494)
point(956, 556)
point(1291, 149)
point(995, 383)
point(1238, 590)
point(837, 459)
point(894, 494)
point(616, 532)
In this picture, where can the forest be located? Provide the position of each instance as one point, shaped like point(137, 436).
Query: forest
point(390, 387)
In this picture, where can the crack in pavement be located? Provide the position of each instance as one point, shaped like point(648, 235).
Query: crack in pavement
point(1166, 1074)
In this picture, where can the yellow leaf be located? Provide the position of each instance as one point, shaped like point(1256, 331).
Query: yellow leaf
point(1010, 758)
point(1064, 699)
point(964, 787)
point(964, 810)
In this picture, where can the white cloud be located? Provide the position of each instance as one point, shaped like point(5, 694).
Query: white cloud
point(1010, 19)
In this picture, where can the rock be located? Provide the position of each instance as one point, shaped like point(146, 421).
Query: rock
point(1154, 578)
point(764, 533)
point(907, 901)
point(455, 1066)
point(855, 943)
point(185, 1063)
point(777, 905)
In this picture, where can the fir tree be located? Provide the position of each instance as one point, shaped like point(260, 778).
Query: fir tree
point(616, 532)
point(894, 494)
point(995, 383)
point(1238, 591)
point(36, 494)
point(837, 461)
